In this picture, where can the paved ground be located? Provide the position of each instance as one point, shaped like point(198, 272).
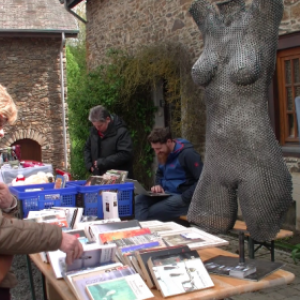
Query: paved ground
point(289, 292)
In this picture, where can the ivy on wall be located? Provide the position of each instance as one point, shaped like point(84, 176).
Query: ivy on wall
point(124, 85)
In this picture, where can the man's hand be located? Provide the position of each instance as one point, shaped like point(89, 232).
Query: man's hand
point(157, 189)
point(71, 246)
point(6, 198)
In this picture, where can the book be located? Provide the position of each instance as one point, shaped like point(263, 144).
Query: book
point(48, 216)
point(135, 243)
point(85, 223)
point(69, 276)
point(94, 230)
point(73, 214)
point(175, 275)
point(116, 235)
point(94, 255)
point(130, 287)
point(54, 257)
point(150, 223)
point(193, 237)
point(60, 182)
point(143, 256)
point(123, 174)
point(103, 180)
point(110, 205)
point(80, 281)
point(56, 218)
point(166, 227)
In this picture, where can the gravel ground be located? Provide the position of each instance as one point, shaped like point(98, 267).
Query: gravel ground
point(22, 290)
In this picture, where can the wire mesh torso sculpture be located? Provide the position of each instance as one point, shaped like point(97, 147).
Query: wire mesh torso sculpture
point(243, 159)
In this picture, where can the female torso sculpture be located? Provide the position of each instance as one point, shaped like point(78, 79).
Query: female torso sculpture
point(243, 159)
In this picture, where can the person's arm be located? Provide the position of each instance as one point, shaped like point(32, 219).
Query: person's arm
point(26, 237)
point(5, 262)
point(123, 155)
point(193, 165)
point(157, 188)
point(87, 154)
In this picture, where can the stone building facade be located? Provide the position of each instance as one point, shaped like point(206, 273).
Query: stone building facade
point(32, 63)
point(30, 70)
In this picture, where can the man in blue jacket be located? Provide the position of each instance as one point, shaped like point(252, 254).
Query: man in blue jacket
point(178, 172)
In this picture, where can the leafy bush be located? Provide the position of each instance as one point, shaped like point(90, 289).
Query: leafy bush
point(296, 253)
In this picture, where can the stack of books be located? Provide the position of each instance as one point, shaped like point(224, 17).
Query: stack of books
point(110, 177)
point(125, 259)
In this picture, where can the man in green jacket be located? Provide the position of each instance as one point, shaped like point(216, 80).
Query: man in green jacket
point(18, 236)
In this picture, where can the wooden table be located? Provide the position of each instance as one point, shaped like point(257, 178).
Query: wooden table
point(224, 286)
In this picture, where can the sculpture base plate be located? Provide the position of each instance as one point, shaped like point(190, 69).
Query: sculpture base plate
point(222, 265)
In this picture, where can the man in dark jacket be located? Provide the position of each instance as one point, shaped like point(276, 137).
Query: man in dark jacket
point(178, 172)
point(109, 145)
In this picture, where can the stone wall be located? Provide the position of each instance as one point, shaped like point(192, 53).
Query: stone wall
point(30, 70)
point(131, 23)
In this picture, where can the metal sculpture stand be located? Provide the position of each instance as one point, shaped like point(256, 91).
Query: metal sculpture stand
point(239, 267)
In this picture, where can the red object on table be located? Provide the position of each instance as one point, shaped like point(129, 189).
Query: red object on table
point(64, 173)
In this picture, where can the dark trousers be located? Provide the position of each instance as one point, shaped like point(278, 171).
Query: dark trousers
point(4, 294)
point(160, 208)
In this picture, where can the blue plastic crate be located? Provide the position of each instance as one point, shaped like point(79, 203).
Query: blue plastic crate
point(90, 197)
point(48, 197)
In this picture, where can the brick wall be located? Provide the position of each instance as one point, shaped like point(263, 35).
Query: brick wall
point(30, 70)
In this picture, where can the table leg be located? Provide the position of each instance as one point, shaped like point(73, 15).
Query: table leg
point(30, 278)
point(272, 251)
point(251, 247)
point(44, 287)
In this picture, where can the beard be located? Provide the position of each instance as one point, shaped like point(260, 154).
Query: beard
point(162, 157)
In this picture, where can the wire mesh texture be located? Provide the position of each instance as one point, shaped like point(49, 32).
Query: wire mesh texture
point(243, 159)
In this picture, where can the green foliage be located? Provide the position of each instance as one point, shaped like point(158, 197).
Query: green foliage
point(125, 84)
point(296, 253)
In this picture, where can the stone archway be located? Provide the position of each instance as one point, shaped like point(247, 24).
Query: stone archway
point(34, 138)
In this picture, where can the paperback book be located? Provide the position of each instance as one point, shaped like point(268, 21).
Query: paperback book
point(143, 256)
point(139, 242)
point(193, 237)
point(94, 255)
point(73, 214)
point(94, 230)
point(179, 274)
point(106, 237)
point(60, 182)
point(166, 227)
point(79, 291)
point(80, 281)
point(130, 287)
point(85, 223)
point(110, 205)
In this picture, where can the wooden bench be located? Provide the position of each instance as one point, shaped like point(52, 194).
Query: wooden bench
point(241, 226)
